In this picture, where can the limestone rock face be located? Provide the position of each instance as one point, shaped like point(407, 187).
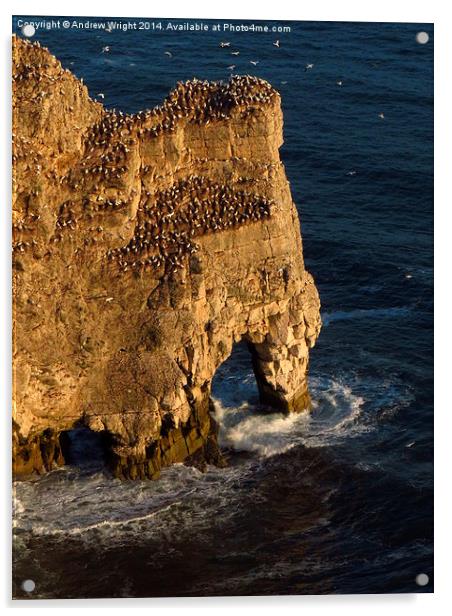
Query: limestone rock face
point(144, 247)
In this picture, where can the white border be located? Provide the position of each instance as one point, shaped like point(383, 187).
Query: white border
point(331, 10)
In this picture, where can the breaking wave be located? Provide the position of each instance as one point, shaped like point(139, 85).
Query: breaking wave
point(335, 415)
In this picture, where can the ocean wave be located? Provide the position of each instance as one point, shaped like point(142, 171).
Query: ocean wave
point(265, 434)
point(72, 503)
point(335, 415)
point(362, 313)
point(105, 524)
point(115, 509)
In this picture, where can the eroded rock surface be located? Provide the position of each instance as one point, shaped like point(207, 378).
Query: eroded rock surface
point(144, 247)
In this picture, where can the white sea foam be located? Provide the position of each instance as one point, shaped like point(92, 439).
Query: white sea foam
point(103, 524)
point(335, 416)
point(86, 504)
point(265, 434)
point(73, 502)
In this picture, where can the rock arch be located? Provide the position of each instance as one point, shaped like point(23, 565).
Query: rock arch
point(121, 314)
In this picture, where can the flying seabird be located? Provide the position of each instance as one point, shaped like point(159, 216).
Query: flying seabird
point(381, 116)
point(106, 49)
point(339, 83)
point(100, 95)
point(277, 43)
point(232, 67)
point(254, 62)
point(308, 67)
point(169, 54)
point(225, 44)
point(235, 53)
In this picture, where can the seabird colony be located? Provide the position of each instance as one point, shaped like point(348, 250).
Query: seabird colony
point(171, 219)
point(168, 221)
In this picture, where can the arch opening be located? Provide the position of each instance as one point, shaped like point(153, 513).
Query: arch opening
point(234, 382)
point(248, 422)
point(238, 381)
point(85, 449)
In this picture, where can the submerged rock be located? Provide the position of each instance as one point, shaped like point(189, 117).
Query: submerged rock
point(144, 247)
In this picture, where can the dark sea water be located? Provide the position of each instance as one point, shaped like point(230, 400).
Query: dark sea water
point(340, 501)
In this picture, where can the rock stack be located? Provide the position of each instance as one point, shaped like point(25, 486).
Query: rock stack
point(144, 247)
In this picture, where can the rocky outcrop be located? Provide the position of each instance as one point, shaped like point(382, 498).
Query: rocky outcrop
point(144, 247)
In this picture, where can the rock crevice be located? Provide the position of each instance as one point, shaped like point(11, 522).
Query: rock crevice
point(144, 247)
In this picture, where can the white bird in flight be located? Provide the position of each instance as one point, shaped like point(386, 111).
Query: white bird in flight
point(169, 54)
point(235, 53)
point(100, 95)
point(232, 67)
point(308, 67)
point(105, 49)
point(339, 83)
point(277, 43)
point(254, 62)
point(225, 44)
point(381, 116)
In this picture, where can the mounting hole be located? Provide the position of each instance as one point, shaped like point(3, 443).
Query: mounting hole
point(28, 30)
point(422, 579)
point(28, 585)
point(422, 38)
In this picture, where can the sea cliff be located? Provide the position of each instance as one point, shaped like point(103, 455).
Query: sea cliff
point(144, 247)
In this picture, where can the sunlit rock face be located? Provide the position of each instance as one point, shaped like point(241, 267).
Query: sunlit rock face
point(144, 246)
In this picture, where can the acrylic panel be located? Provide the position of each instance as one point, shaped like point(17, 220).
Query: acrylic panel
point(223, 307)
